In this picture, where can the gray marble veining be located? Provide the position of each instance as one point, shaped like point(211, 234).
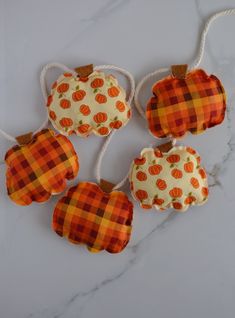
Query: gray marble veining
point(176, 265)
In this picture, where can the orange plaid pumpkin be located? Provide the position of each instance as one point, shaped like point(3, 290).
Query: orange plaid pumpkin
point(193, 103)
point(88, 215)
point(39, 169)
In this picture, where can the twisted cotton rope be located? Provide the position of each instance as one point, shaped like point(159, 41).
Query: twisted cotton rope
point(13, 139)
point(194, 65)
point(108, 139)
point(45, 96)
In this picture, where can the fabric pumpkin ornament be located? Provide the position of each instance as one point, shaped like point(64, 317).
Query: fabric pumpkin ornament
point(185, 102)
point(87, 101)
point(39, 167)
point(99, 219)
point(168, 178)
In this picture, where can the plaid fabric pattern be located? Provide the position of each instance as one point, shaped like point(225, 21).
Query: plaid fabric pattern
point(39, 169)
point(192, 104)
point(87, 215)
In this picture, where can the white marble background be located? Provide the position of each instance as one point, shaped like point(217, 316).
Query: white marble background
point(176, 265)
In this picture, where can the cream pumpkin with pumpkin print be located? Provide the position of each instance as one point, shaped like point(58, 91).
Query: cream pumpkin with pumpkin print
point(84, 105)
point(173, 179)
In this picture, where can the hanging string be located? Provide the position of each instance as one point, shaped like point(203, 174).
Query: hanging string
point(43, 74)
point(108, 139)
point(44, 93)
point(140, 85)
point(205, 31)
point(198, 60)
point(45, 96)
point(13, 139)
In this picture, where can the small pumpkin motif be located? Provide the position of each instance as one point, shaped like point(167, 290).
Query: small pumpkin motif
point(85, 110)
point(190, 199)
point(65, 103)
point(141, 176)
point(202, 173)
point(113, 91)
point(120, 106)
point(176, 192)
point(189, 166)
point(49, 100)
point(100, 117)
point(140, 161)
point(97, 82)
point(78, 95)
point(115, 124)
point(141, 194)
point(205, 192)
point(103, 131)
point(194, 182)
point(54, 85)
point(90, 104)
point(68, 74)
point(84, 129)
point(173, 158)
point(101, 99)
point(66, 122)
point(158, 201)
point(179, 186)
point(155, 169)
point(177, 205)
point(161, 184)
point(177, 173)
point(62, 88)
point(52, 115)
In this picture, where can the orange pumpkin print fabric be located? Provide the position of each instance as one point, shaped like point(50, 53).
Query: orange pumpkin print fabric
point(95, 104)
point(38, 170)
point(173, 179)
point(88, 215)
point(193, 104)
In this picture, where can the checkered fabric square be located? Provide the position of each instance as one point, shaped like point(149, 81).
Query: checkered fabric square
point(38, 170)
point(192, 104)
point(87, 215)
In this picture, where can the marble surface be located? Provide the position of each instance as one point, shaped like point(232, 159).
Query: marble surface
point(176, 265)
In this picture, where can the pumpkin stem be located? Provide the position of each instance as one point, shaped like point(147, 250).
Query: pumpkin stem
point(179, 71)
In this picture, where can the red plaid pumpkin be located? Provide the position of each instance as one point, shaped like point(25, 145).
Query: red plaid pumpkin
point(37, 170)
point(193, 103)
point(88, 215)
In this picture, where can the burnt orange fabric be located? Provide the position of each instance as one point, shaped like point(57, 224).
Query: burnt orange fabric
point(37, 170)
point(87, 215)
point(192, 104)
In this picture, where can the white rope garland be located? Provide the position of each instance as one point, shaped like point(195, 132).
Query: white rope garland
point(205, 31)
point(44, 71)
point(13, 139)
point(44, 93)
point(108, 139)
point(200, 54)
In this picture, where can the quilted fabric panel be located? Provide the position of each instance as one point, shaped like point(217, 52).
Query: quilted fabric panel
point(192, 104)
point(40, 169)
point(87, 215)
point(84, 105)
point(172, 179)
